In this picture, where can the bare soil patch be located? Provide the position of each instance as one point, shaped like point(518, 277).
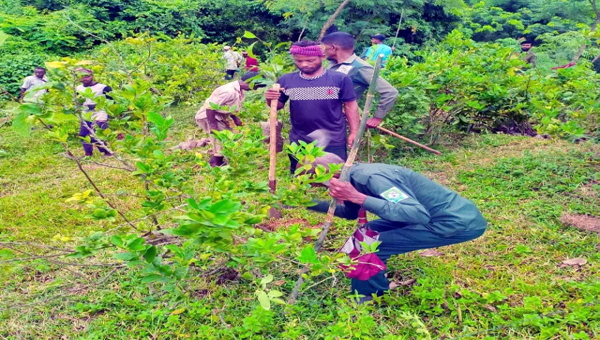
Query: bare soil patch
point(274, 224)
point(581, 222)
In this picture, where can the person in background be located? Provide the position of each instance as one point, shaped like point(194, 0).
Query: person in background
point(415, 213)
point(339, 50)
point(239, 60)
point(99, 118)
point(219, 107)
point(38, 78)
point(251, 64)
point(320, 100)
point(527, 54)
point(376, 49)
point(231, 63)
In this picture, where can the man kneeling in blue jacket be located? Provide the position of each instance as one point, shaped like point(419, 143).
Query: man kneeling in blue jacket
point(415, 213)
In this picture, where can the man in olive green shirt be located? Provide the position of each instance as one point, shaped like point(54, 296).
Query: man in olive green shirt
point(339, 50)
point(415, 213)
point(528, 55)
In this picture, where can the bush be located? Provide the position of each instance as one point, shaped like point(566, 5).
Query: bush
point(474, 87)
point(181, 68)
point(13, 68)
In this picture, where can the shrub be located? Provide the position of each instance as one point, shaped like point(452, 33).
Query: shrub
point(474, 87)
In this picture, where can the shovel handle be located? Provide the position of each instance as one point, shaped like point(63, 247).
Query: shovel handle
point(273, 141)
point(409, 140)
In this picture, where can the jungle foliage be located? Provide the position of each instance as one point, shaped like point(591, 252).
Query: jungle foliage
point(155, 243)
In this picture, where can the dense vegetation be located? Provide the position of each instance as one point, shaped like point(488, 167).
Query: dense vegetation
point(154, 243)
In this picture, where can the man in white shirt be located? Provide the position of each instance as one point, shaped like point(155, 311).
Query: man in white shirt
point(222, 105)
point(99, 118)
point(38, 78)
point(231, 62)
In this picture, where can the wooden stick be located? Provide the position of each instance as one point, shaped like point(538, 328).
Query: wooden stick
point(398, 30)
point(273, 213)
point(408, 140)
point(344, 176)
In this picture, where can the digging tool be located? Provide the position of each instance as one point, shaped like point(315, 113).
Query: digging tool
point(273, 213)
point(392, 133)
point(345, 172)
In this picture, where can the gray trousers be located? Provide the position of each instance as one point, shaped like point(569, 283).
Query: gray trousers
point(399, 239)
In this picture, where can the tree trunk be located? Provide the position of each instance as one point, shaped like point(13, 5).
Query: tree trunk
point(579, 54)
point(592, 29)
point(331, 19)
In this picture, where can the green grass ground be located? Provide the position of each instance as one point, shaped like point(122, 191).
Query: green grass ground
point(508, 284)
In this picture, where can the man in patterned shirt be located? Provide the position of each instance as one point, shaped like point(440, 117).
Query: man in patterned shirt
point(319, 100)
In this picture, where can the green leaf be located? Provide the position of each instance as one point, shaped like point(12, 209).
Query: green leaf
point(250, 50)
point(125, 256)
point(152, 278)
point(136, 244)
point(117, 241)
point(150, 254)
point(308, 255)
point(278, 301)
point(263, 299)
point(156, 118)
point(274, 294)
point(224, 207)
point(249, 35)
point(21, 125)
point(186, 230)
point(3, 37)
point(31, 108)
point(143, 167)
point(267, 279)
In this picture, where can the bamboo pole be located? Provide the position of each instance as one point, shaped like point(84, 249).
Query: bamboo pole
point(273, 213)
point(398, 30)
point(392, 133)
point(344, 176)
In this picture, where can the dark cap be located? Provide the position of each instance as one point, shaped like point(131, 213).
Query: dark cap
point(379, 37)
point(254, 79)
point(248, 76)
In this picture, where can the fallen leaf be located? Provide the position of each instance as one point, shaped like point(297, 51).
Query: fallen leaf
point(430, 253)
point(572, 263)
point(178, 311)
point(279, 283)
point(491, 308)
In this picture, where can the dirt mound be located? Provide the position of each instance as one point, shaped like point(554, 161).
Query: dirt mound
point(274, 224)
point(581, 222)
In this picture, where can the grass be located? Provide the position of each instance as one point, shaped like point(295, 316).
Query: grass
point(508, 284)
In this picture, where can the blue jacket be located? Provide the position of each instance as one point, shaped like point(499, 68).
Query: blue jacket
point(374, 51)
point(405, 197)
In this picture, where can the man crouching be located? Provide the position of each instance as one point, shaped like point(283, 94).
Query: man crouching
point(415, 213)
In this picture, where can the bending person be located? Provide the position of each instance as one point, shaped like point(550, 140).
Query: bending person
point(224, 103)
point(415, 213)
point(99, 118)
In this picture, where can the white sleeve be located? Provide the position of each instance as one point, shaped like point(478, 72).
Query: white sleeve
point(26, 83)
